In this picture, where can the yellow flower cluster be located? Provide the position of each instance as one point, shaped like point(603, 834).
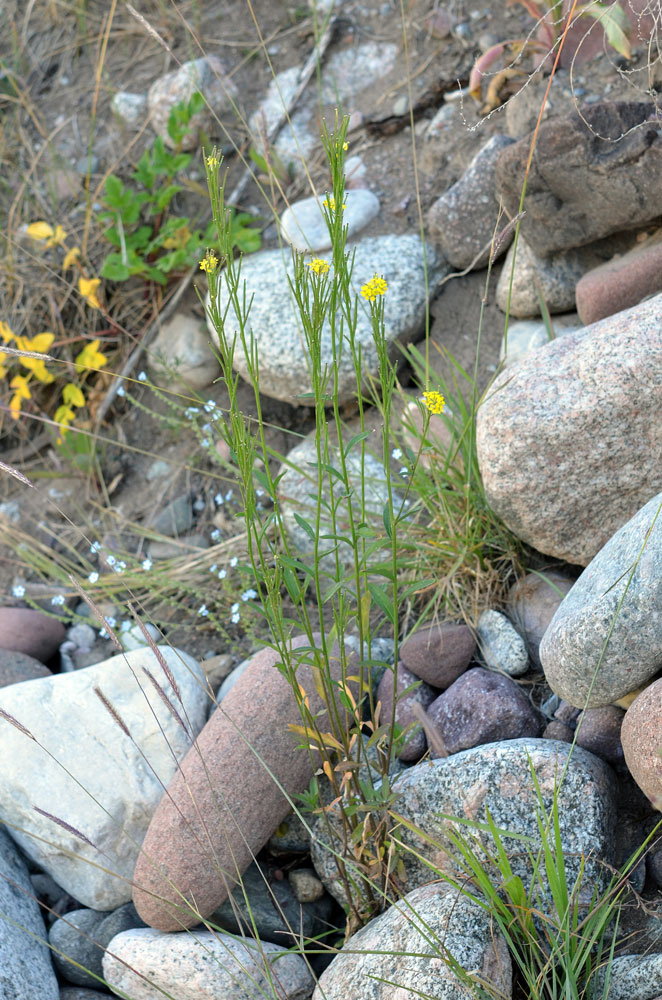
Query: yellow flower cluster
point(434, 402)
point(318, 265)
point(209, 262)
point(376, 286)
point(45, 233)
point(212, 161)
point(35, 365)
point(330, 203)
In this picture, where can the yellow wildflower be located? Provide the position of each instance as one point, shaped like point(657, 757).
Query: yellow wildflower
point(88, 289)
point(434, 402)
point(179, 239)
point(318, 265)
point(209, 262)
point(42, 231)
point(345, 146)
point(20, 384)
point(70, 257)
point(3, 369)
point(39, 345)
point(72, 395)
point(91, 356)
point(63, 417)
point(212, 161)
point(376, 286)
point(6, 332)
point(330, 203)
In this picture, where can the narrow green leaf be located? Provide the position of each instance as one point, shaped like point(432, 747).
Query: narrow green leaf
point(305, 526)
point(381, 599)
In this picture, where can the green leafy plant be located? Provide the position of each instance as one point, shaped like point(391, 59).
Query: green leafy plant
point(150, 243)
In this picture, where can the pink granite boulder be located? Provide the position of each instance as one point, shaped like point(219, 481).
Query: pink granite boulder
point(620, 283)
point(229, 795)
point(438, 654)
point(641, 737)
point(31, 632)
point(569, 441)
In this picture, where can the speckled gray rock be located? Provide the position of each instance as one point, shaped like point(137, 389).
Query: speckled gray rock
point(176, 517)
point(26, 971)
point(16, 667)
point(82, 935)
point(463, 220)
point(273, 317)
point(482, 707)
point(352, 68)
point(304, 225)
point(210, 77)
point(573, 643)
point(527, 335)
point(423, 695)
point(532, 603)
point(131, 108)
point(81, 993)
point(305, 885)
point(501, 646)
point(595, 172)
point(298, 483)
point(116, 781)
point(571, 446)
point(398, 948)
point(498, 776)
point(555, 277)
point(201, 965)
point(296, 140)
point(632, 977)
point(266, 907)
point(181, 357)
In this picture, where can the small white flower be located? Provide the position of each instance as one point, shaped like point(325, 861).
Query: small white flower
point(57, 600)
point(210, 406)
point(111, 622)
point(404, 471)
point(222, 575)
point(146, 564)
point(103, 634)
point(207, 429)
point(95, 547)
point(212, 569)
point(249, 595)
point(215, 535)
point(233, 562)
point(259, 493)
point(396, 453)
point(203, 611)
point(120, 391)
point(206, 443)
point(93, 577)
point(111, 560)
point(18, 591)
point(218, 499)
point(120, 567)
point(125, 626)
point(228, 495)
point(235, 618)
point(235, 608)
point(142, 377)
point(191, 411)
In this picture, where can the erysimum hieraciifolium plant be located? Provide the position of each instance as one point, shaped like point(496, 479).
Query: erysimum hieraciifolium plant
point(348, 599)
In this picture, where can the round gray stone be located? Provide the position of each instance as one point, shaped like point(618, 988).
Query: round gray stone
point(283, 359)
point(573, 644)
point(501, 646)
point(74, 937)
point(304, 224)
point(528, 335)
point(554, 277)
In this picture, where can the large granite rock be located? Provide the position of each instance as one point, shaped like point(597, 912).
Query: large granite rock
point(402, 953)
point(25, 964)
point(148, 965)
point(304, 223)
point(230, 793)
point(593, 173)
point(570, 442)
point(572, 648)
point(283, 359)
point(640, 736)
point(77, 789)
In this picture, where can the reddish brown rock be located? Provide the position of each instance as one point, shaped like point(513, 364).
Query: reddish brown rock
point(225, 801)
point(438, 654)
point(556, 730)
point(641, 736)
point(423, 695)
point(620, 283)
point(532, 604)
point(31, 632)
point(482, 707)
point(600, 732)
point(16, 667)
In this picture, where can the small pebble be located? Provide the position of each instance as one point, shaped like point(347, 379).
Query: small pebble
point(501, 646)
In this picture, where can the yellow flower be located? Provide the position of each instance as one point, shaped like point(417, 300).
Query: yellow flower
point(178, 239)
point(330, 203)
point(318, 265)
point(70, 257)
point(72, 395)
point(209, 262)
point(434, 402)
point(376, 286)
point(42, 231)
point(88, 289)
point(63, 417)
point(20, 384)
point(345, 146)
point(6, 332)
point(91, 356)
point(3, 369)
point(212, 162)
point(39, 345)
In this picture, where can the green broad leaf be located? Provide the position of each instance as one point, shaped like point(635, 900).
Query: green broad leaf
point(613, 20)
point(114, 268)
point(196, 103)
point(165, 195)
point(114, 191)
point(305, 526)
point(382, 600)
point(388, 524)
